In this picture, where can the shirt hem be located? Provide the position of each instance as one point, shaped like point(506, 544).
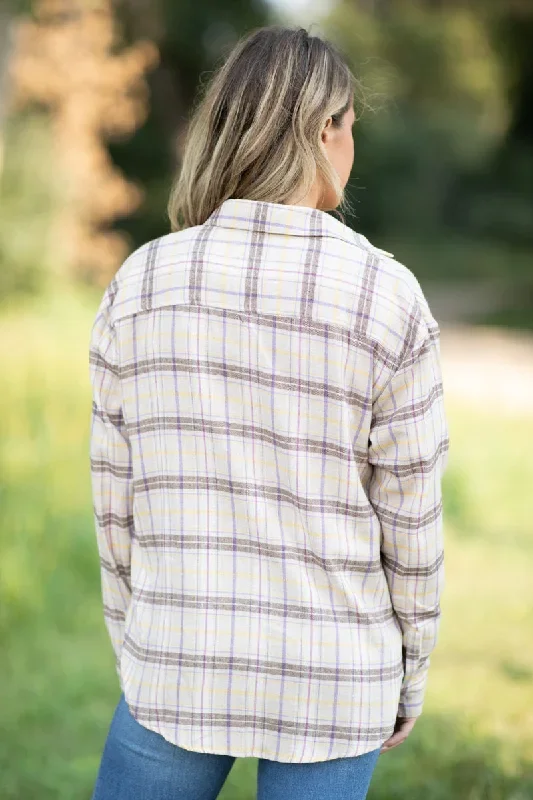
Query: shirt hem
point(237, 752)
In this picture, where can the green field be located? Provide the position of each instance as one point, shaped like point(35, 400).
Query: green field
point(58, 687)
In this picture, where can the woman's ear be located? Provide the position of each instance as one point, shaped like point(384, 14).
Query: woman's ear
point(325, 130)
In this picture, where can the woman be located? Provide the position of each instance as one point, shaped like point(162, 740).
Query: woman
point(268, 439)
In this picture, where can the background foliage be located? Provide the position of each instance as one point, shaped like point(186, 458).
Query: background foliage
point(443, 178)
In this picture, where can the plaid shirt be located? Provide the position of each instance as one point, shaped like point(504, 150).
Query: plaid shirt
point(267, 444)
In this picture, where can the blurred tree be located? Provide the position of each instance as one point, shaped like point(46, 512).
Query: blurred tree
point(68, 59)
point(6, 46)
point(432, 74)
point(29, 202)
point(496, 198)
point(449, 148)
point(191, 38)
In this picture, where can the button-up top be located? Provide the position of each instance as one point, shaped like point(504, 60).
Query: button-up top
point(268, 439)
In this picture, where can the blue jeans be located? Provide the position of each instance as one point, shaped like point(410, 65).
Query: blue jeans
point(138, 764)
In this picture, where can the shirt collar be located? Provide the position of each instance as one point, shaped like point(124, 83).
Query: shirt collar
point(263, 216)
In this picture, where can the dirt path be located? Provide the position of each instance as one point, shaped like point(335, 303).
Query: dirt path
point(488, 365)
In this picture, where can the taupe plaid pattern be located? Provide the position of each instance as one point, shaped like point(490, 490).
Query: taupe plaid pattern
point(268, 439)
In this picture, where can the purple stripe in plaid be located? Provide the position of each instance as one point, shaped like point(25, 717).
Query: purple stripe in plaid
point(268, 439)
point(148, 277)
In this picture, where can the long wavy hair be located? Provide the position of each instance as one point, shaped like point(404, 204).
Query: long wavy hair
point(255, 130)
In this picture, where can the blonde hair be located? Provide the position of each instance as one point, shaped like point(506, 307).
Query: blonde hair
point(255, 132)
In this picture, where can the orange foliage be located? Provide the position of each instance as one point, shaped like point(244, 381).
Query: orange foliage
point(69, 60)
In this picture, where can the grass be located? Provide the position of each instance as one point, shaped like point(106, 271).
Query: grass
point(58, 687)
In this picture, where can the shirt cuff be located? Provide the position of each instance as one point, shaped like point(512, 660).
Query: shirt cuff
point(412, 695)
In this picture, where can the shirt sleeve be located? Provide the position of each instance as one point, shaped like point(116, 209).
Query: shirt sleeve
point(408, 448)
point(111, 475)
